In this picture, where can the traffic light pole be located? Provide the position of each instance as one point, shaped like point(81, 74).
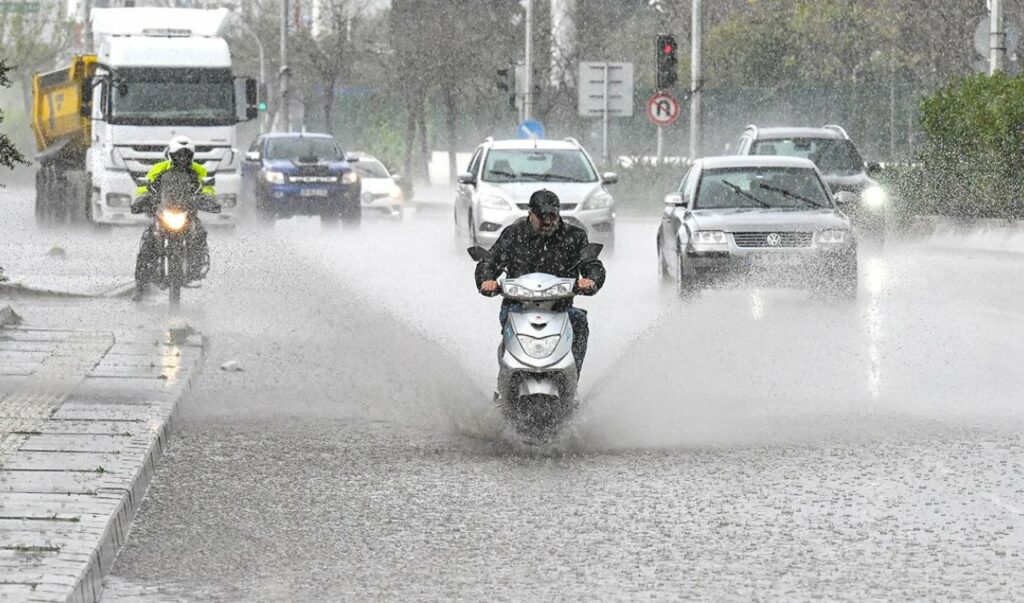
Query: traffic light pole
point(528, 76)
point(695, 82)
point(285, 122)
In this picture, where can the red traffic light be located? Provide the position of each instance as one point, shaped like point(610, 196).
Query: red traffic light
point(667, 49)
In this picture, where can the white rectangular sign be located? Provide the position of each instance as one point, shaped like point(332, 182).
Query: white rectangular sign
point(598, 79)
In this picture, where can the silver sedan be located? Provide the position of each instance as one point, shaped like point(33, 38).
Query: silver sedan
point(768, 220)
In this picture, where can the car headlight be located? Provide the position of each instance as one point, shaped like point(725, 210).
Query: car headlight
point(274, 177)
point(598, 200)
point(350, 177)
point(493, 202)
point(396, 193)
point(832, 236)
point(874, 197)
point(709, 237)
point(173, 220)
point(539, 347)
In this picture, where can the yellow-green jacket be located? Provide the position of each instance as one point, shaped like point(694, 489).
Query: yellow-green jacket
point(163, 166)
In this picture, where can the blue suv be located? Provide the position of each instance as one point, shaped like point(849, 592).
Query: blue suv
point(293, 173)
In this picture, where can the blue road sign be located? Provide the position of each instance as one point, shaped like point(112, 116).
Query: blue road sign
point(530, 129)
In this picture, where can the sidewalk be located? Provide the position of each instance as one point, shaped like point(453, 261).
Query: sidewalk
point(84, 418)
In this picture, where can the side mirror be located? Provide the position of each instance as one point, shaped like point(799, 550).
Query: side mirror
point(396, 178)
point(252, 110)
point(252, 156)
point(675, 199)
point(874, 169)
point(590, 252)
point(479, 254)
point(352, 158)
point(209, 181)
point(845, 198)
point(466, 178)
point(85, 106)
point(609, 178)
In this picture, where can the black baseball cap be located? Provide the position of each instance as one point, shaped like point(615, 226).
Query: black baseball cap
point(545, 202)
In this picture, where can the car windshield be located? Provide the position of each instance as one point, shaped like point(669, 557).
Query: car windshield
point(760, 187)
point(831, 155)
point(370, 168)
point(538, 165)
point(179, 96)
point(307, 148)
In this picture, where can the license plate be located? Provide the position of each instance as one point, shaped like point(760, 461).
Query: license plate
point(313, 192)
point(773, 259)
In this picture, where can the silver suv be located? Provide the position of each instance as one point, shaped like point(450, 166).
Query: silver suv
point(495, 189)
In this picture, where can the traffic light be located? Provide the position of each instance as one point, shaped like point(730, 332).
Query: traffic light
point(504, 81)
point(665, 55)
point(262, 106)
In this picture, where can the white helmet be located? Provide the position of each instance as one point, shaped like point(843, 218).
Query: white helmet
point(178, 143)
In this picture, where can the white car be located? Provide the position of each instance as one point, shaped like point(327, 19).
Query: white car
point(495, 190)
point(380, 190)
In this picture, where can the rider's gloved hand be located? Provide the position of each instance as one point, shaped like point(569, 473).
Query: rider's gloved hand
point(586, 286)
point(208, 203)
point(143, 204)
point(489, 288)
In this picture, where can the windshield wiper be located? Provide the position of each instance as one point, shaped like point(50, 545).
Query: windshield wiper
point(545, 177)
point(740, 191)
point(501, 173)
point(790, 194)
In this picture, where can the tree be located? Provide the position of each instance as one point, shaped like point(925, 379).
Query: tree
point(34, 40)
point(9, 156)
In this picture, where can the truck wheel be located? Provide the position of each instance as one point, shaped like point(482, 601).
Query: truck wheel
point(352, 213)
point(41, 196)
point(77, 201)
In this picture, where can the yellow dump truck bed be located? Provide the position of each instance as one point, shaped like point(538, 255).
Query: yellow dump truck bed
point(56, 108)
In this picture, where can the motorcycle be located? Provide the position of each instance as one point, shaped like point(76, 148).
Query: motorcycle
point(537, 378)
point(173, 218)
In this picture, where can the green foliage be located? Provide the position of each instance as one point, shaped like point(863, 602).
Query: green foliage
point(973, 151)
point(9, 155)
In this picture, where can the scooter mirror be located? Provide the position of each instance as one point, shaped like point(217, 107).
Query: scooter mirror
point(479, 254)
point(591, 251)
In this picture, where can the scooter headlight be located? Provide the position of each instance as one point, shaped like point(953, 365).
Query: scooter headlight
point(539, 347)
point(173, 220)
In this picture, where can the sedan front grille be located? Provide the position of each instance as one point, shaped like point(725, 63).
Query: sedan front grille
point(772, 239)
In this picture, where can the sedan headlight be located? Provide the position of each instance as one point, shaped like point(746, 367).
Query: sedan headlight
point(493, 202)
point(832, 236)
point(874, 197)
point(274, 177)
point(598, 200)
point(709, 237)
point(539, 347)
point(396, 193)
point(350, 177)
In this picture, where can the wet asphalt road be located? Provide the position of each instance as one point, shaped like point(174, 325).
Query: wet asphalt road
point(748, 445)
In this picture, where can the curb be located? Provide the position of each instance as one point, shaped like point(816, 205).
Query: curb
point(982, 234)
point(20, 289)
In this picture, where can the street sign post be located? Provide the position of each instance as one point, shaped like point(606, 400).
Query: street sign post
point(605, 89)
point(662, 110)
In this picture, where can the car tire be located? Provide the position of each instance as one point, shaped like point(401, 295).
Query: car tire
point(329, 220)
point(664, 277)
point(846, 283)
point(352, 213)
point(687, 287)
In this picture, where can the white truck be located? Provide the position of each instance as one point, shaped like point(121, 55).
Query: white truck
point(104, 121)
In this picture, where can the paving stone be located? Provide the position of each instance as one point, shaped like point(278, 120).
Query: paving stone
point(74, 443)
point(51, 481)
point(60, 461)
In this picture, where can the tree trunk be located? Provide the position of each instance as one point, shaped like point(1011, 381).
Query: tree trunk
point(410, 135)
point(424, 164)
point(329, 105)
point(450, 112)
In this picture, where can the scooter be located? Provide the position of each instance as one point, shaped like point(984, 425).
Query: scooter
point(537, 376)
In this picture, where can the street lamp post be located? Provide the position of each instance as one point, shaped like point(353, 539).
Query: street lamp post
point(285, 122)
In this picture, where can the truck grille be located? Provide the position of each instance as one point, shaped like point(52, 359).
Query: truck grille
point(760, 239)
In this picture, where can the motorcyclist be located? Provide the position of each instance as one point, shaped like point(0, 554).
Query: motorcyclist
point(179, 157)
point(543, 242)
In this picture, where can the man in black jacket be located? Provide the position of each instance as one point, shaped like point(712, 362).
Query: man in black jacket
point(542, 242)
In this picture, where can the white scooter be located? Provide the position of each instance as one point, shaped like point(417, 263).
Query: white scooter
point(536, 368)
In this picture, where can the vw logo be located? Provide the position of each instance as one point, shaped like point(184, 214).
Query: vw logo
point(773, 240)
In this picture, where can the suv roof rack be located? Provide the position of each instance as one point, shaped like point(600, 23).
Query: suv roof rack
point(751, 127)
point(837, 129)
point(488, 139)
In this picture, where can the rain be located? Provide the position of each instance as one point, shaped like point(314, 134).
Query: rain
point(802, 376)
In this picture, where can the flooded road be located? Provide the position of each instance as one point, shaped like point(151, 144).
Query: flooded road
point(750, 444)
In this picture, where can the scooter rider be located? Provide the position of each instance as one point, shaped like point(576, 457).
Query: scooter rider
point(543, 242)
point(179, 157)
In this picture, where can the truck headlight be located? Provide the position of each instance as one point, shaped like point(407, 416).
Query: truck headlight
point(227, 200)
point(350, 177)
point(874, 197)
point(539, 347)
point(118, 200)
point(832, 236)
point(598, 200)
point(274, 177)
point(709, 237)
point(494, 202)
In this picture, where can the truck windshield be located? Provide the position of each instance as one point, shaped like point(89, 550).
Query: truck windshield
point(179, 96)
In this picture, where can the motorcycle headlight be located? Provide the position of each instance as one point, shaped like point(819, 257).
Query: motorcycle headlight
point(274, 177)
point(515, 291)
point(539, 347)
point(709, 237)
point(598, 200)
point(874, 197)
point(561, 290)
point(832, 236)
point(173, 220)
point(493, 202)
point(349, 177)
